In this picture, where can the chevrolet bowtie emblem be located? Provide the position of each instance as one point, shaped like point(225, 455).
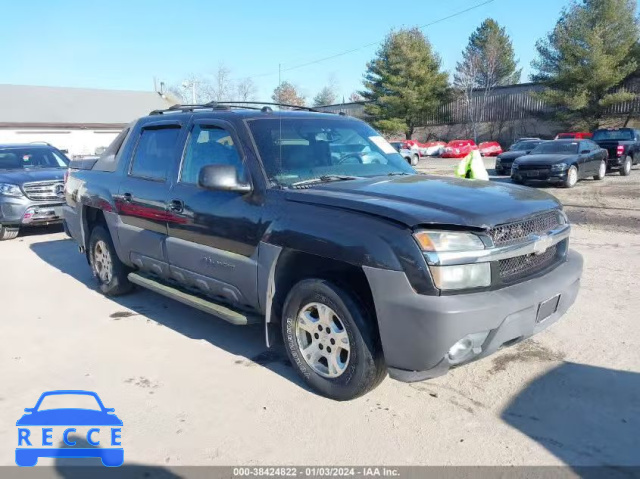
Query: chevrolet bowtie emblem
point(542, 244)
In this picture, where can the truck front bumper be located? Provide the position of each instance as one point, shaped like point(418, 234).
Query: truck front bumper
point(23, 211)
point(418, 331)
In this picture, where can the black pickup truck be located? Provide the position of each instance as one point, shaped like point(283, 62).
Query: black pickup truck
point(622, 145)
point(314, 226)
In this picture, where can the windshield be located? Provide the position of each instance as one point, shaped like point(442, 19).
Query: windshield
point(69, 401)
point(396, 144)
point(27, 158)
point(622, 134)
point(524, 145)
point(293, 150)
point(558, 147)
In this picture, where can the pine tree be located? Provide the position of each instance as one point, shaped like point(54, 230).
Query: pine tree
point(326, 96)
point(592, 50)
point(404, 82)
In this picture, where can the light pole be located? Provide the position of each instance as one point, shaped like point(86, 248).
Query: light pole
point(192, 84)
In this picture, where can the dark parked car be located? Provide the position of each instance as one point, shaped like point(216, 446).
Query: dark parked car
point(505, 159)
point(31, 186)
point(359, 267)
point(561, 162)
point(623, 146)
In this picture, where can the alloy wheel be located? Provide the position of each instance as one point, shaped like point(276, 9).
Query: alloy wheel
point(323, 340)
point(102, 262)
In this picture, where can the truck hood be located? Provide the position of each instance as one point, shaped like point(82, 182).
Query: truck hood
point(423, 200)
point(21, 176)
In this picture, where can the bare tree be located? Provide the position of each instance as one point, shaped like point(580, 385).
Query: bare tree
point(246, 90)
point(354, 97)
point(222, 86)
point(465, 80)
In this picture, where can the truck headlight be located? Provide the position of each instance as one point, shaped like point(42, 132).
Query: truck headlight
point(8, 189)
point(461, 276)
point(440, 241)
point(559, 167)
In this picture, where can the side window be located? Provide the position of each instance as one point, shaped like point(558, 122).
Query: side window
point(208, 145)
point(155, 152)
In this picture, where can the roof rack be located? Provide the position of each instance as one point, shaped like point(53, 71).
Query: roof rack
point(227, 105)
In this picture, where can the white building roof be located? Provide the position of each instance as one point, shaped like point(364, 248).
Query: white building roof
point(43, 106)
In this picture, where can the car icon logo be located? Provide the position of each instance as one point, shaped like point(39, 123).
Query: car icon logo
point(59, 190)
point(39, 424)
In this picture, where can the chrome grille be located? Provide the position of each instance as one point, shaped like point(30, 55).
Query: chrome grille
point(512, 269)
point(512, 233)
point(44, 190)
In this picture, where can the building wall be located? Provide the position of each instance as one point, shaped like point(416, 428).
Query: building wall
point(75, 140)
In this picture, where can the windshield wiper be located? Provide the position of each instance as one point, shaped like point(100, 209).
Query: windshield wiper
point(398, 173)
point(323, 179)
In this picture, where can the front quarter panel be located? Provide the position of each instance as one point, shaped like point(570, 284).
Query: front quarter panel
point(357, 239)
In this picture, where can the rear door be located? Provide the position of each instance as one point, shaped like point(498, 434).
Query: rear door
point(142, 195)
point(213, 246)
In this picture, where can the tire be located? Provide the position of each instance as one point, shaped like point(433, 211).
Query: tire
point(106, 267)
point(572, 177)
point(414, 160)
point(625, 170)
point(602, 171)
point(7, 233)
point(355, 371)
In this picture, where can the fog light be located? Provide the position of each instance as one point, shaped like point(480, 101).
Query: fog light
point(459, 350)
point(467, 347)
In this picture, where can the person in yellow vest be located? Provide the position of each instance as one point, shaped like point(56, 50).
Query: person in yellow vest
point(472, 167)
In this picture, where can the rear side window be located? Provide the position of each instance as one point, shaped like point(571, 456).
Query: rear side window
point(155, 153)
point(107, 160)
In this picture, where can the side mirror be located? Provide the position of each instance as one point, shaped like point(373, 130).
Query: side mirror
point(109, 410)
point(584, 152)
point(28, 409)
point(222, 178)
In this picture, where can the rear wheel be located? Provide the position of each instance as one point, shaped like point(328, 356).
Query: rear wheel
point(7, 233)
point(107, 268)
point(626, 167)
point(572, 177)
point(602, 171)
point(331, 340)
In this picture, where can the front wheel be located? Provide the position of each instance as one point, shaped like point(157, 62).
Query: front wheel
point(414, 160)
point(602, 171)
point(107, 268)
point(572, 177)
point(626, 167)
point(331, 340)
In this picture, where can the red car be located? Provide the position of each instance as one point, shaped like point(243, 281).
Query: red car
point(490, 148)
point(459, 148)
point(578, 135)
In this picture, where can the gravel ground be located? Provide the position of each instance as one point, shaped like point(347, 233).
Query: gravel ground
point(195, 390)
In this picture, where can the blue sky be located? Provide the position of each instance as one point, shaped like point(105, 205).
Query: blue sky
point(124, 44)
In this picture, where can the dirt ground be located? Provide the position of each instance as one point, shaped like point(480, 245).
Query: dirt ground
point(194, 390)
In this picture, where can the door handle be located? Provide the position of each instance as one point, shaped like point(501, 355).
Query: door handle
point(127, 197)
point(176, 205)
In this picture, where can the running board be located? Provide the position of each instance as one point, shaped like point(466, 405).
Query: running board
point(223, 312)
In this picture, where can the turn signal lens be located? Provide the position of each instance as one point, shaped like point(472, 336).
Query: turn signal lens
point(439, 241)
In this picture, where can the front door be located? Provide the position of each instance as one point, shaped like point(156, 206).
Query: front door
point(214, 245)
point(142, 196)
